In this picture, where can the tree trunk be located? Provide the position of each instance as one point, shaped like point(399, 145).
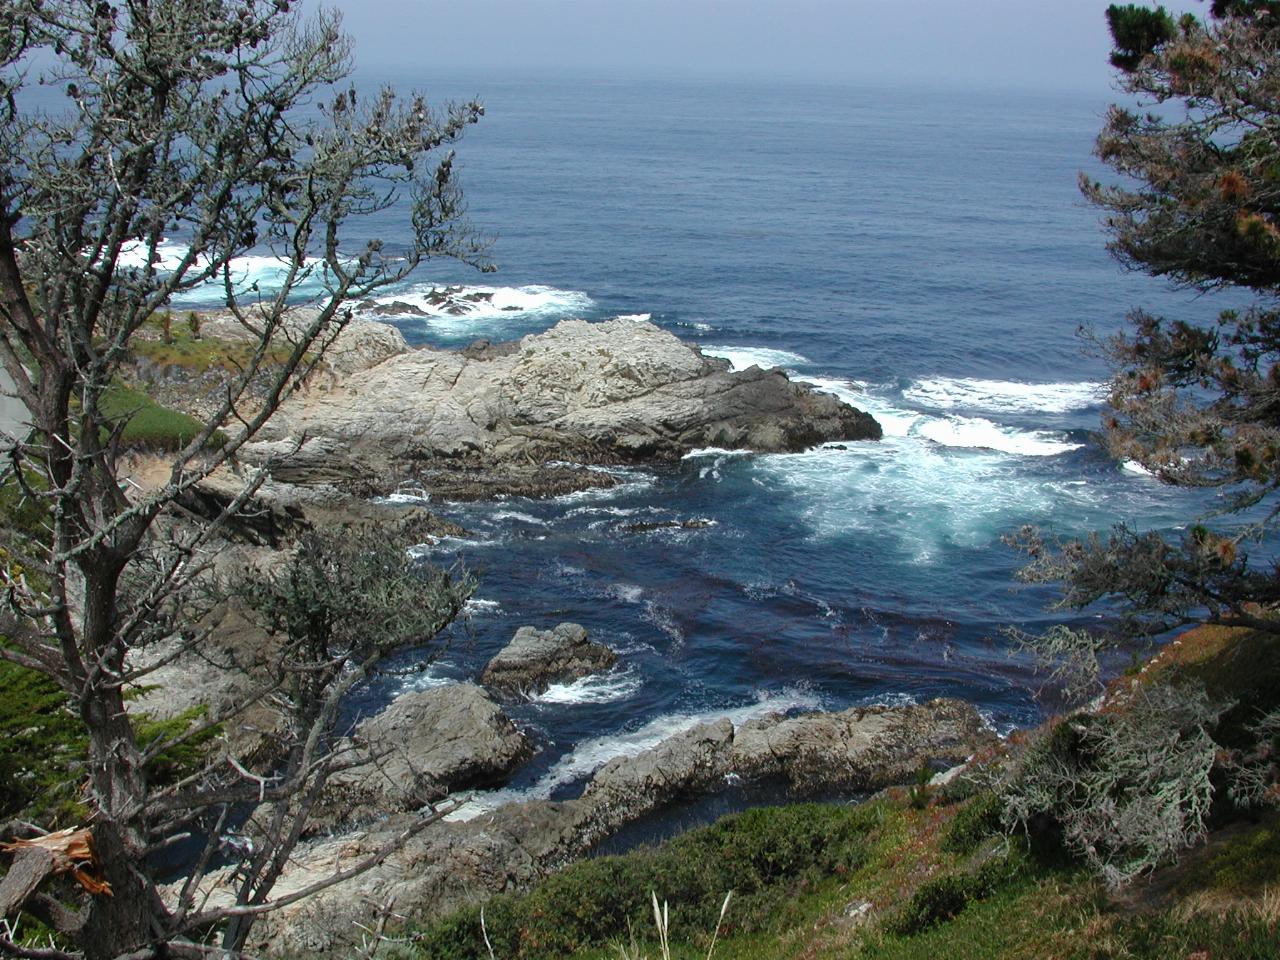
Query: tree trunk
point(133, 916)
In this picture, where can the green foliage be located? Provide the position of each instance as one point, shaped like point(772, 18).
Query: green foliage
point(353, 589)
point(149, 425)
point(920, 792)
point(42, 748)
point(980, 818)
point(941, 898)
point(1023, 919)
point(182, 345)
point(1247, 865)
point(182, 759)
point(1137, 31)
point(765, 856)
point(1248, 9)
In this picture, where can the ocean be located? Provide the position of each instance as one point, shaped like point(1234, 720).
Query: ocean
point(924, 254)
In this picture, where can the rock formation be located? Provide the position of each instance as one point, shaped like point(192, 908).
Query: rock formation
point(588, 393)
point(425, 745)
point(535, 659)
point(454, 863)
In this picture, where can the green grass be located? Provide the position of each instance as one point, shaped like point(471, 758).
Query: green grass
point(150, 425)
point(183, 348)
point(776, 862)
point(941, 882)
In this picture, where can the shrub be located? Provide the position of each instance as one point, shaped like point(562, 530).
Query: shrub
point(979, 818)
point(941, 898)
point(761, 855)
point(1125, 789)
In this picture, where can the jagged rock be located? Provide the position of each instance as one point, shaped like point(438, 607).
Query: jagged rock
point(590, 393)
point(455, 863)
point(279, 511)
point(860, 748)
point(426, 744)
point(396, 308)
point(487, 350)
point(535, 659)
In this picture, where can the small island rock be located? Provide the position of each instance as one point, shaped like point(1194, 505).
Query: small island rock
point(535, 659)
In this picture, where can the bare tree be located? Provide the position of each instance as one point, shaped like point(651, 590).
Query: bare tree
point(217, 124)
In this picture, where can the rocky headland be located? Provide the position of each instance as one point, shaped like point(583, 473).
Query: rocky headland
point(528, 418)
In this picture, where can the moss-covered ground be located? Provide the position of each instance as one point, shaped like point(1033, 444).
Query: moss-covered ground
point(149, 425)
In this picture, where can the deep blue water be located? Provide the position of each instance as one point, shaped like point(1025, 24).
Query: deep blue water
point(924, 254)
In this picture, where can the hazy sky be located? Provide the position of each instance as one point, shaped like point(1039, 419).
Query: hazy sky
point(1041, 43)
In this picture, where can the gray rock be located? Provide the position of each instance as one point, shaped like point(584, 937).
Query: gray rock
point(426, 745)
point(535, 659)
point(452, 864)
point(591, 393)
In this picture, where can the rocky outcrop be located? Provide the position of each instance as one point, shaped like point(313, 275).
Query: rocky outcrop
point(360, 345)
point(424, 746)
point(594, 393)
point(535, 659)
point(860, 749)
point(454, 863)
point(280, 510)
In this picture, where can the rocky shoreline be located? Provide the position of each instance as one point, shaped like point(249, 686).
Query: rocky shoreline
point(534, 418)
point(454, 863)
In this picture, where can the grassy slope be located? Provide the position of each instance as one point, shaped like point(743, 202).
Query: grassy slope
point(909, 868)
point(149, 425)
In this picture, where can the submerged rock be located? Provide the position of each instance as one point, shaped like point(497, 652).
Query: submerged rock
point(696, 523)
point(535, 659)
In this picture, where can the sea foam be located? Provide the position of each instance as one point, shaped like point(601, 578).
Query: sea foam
point(447, 307)
point(1004, 396)
point(590, 755)
point(595, 688)
point(946, 430)
point(742, 358)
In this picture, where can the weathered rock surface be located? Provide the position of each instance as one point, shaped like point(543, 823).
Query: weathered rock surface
point(426, 745)
point(360, 345)
point(231, 664)
point(280, 510)
point(454, 863)
point(535, 659)
point(594, 393)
